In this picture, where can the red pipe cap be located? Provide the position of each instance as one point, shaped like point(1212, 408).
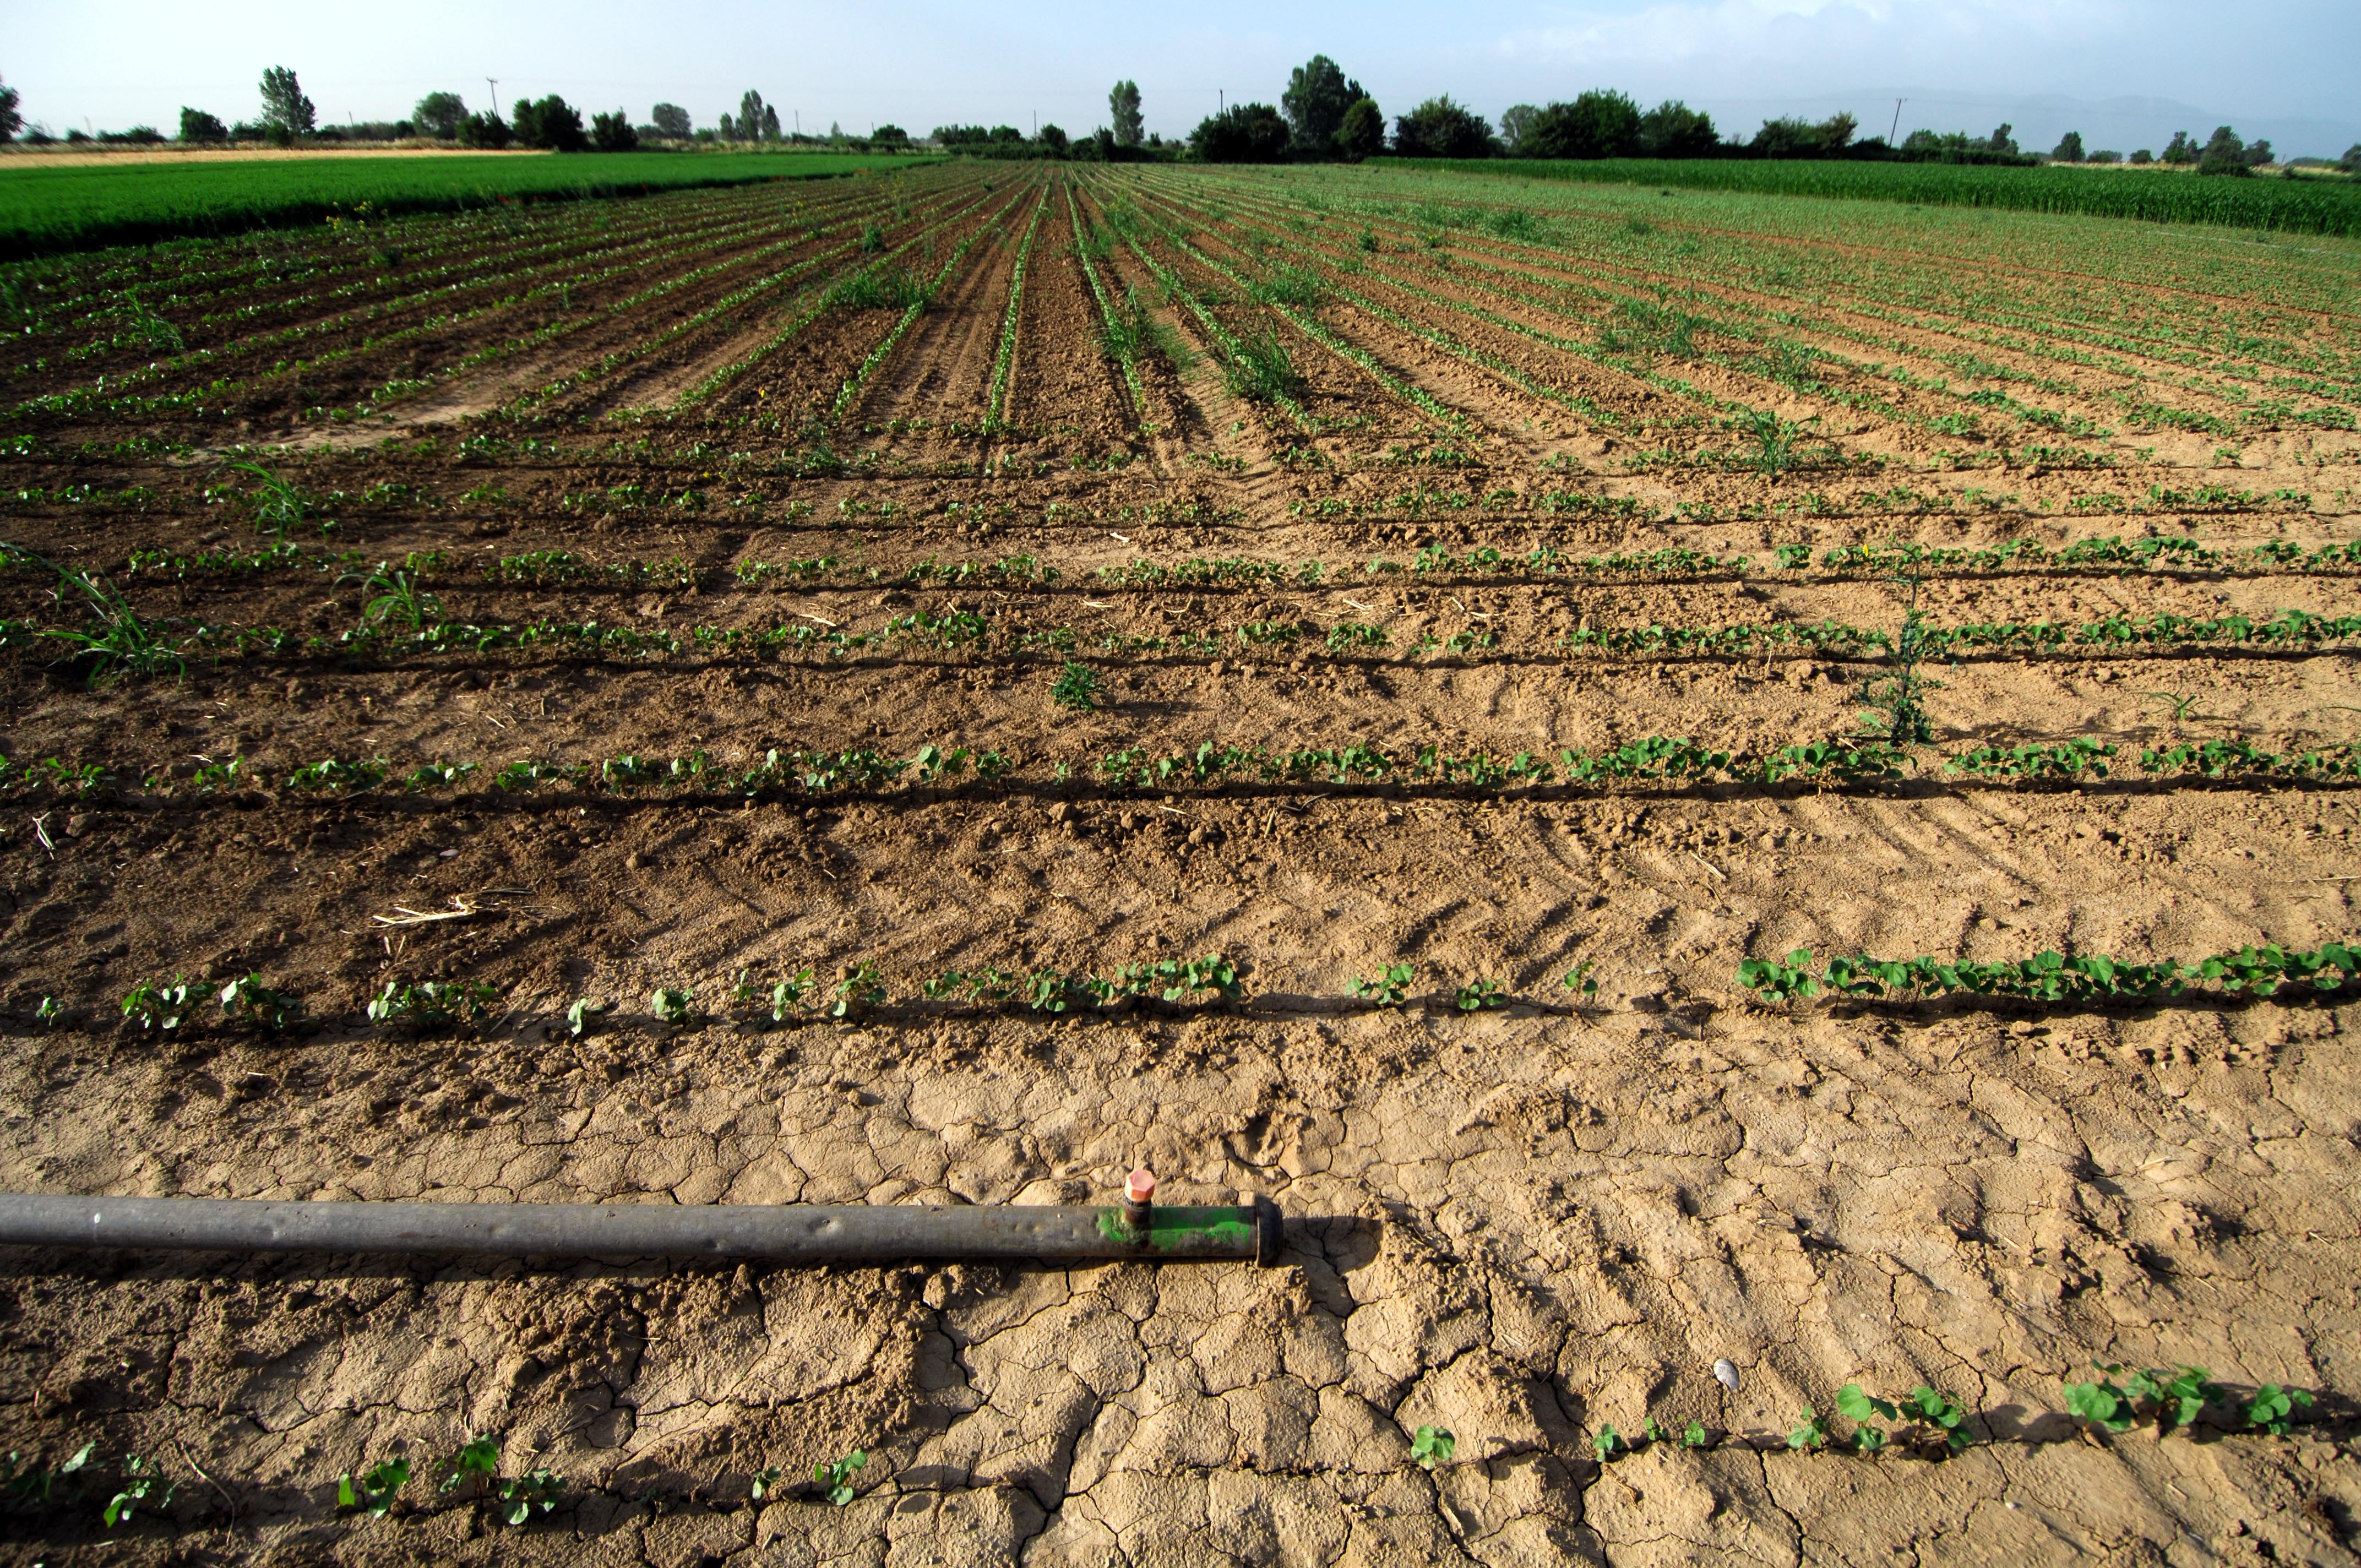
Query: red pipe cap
point(1140, 1186)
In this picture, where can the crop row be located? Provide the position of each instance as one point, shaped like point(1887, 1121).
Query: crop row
point(2053, 977)
point(796, 772)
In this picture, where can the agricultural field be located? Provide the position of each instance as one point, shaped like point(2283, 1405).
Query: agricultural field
point(1744, 809)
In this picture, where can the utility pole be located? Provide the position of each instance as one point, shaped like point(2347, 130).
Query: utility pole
point(1897, 122)
point(494, 84)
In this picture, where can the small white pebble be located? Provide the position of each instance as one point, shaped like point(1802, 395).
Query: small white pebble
point(1727, 1371)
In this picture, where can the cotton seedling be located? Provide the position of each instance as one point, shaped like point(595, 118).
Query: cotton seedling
point(52, 1012)
point(1579, 978)
point(478, 1459)
point(789, 995)
point(1478, 995)
point(373, 1489)
point(1077, 688)
point(1432, 1445)
point(432, 1003)
point(2273, 1408)
point(2099, 1403)
point(1606, 1442)
point(856, 992)
point(1652, 1431)
point(248, 999)
point(763, 1483)
point(165, 1006)
point(673, 1006)
point(1862, 1409)
point(1694, 1436)
point(36, 1483)
point(583, 1016)
point(1810, 1431)
point(520, 1496)
point(141, 1479)
point(2178, 1394)
point(1390, 989)
point(834, 1476)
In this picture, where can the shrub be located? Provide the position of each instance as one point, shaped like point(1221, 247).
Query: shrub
point(1600, 124)
point(1362, 133)
point(1801, 138)
point(196, 126)
point(2224, 154)
point(613, 133)
point(551, 122)
point(1441, 128)
point(486, 129)
point(1673, 130)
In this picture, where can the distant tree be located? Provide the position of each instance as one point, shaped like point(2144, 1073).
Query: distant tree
point(2143, 156)
point(770, 122)
point(895, 135)
point(959, 136)
point(2351, 161)
point(551, 122)
point(1242, 133)
point(749, 122)
point(1317, 95)
point(285, 110)
point(2069, 149)
point(11, 120)
point(486, 129)
point(2224, 154)
point(1441, 128)
point(196, 126)
point(2258, 153)
point(1515, 121)
point(1673, 130)
point(613, 133)
point(2104, 156)
point(1124, 104)
point(439, 113)
point(1053, 140)
point(1007, 135)
point(728, 130)
point(2002, 142)
point(1600, 124)
point(1363, 132)
point(1802, 139)
point(672, 120)
point(2181, 149)
point(1099, 147)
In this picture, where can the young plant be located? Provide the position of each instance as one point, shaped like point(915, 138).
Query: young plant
point(2273, 1408)
point(141, 1477)
point(478, 1459)
point(858, 992)
point(1862, 1409)
point(1478, 995)
point(248, 999)
point(1608, 1441)
point(1077, 688)
point(278, 504)
point(675, 1006)
point(2179, 1394)
point(433, 1003)
point(763, 1483)
point(1432, 1446)
point(52, 1012)
point(1390, 989)
point(399, 597)
point(160, 1006)
point(2099, 1403)
point(1783, 982)
point(119, 641)
point(518, 1495)
point(373, 1490)
point(1811, 1432)
point(1696, 1436)
point(1898, 711)
point(834, 1476)
point(583, 1015)
point(1579, 978)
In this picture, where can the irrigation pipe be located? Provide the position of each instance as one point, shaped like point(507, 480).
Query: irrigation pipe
point(786, 1233)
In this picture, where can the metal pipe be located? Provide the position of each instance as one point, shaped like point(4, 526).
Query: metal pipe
point(785, 1233)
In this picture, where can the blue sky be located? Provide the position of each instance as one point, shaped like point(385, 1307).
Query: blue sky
point(2126, 72)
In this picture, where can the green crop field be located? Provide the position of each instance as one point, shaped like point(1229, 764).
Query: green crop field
point(2302, 206)
point(46, 209)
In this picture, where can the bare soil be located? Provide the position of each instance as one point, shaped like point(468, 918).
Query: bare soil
point(1525, 1226)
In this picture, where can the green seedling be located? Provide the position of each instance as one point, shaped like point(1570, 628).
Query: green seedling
point(478, 1459)
point(2179, 1394)
point(834, 1476)
point(1606, 1443)
point(1811, 1432)
point(278, 504)
point(157, 1006)
point(1862, 1409)
point(1898, 711)
point(373, 1490)
point(2099, 1403)
point(1478, 995)
point(433, 1003)
point(1432, 1446)
point(400, 598)
point(520, 1496)
point(249, 1000)
point(1945, 1415)
point(1651, 1431)
point(34, 1484)
point(1696, 1436)
point(141, 1477)
point(1077, 688)
point(675, 1006)
point(119, 641)
point(2178, 703)
point(52, 1012)
point(1390, 989)
point(859, 991)
point(789, 995)
point(764, 1482)
point(583, 1016)
point(2273, 1408)
point(1579, 978)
